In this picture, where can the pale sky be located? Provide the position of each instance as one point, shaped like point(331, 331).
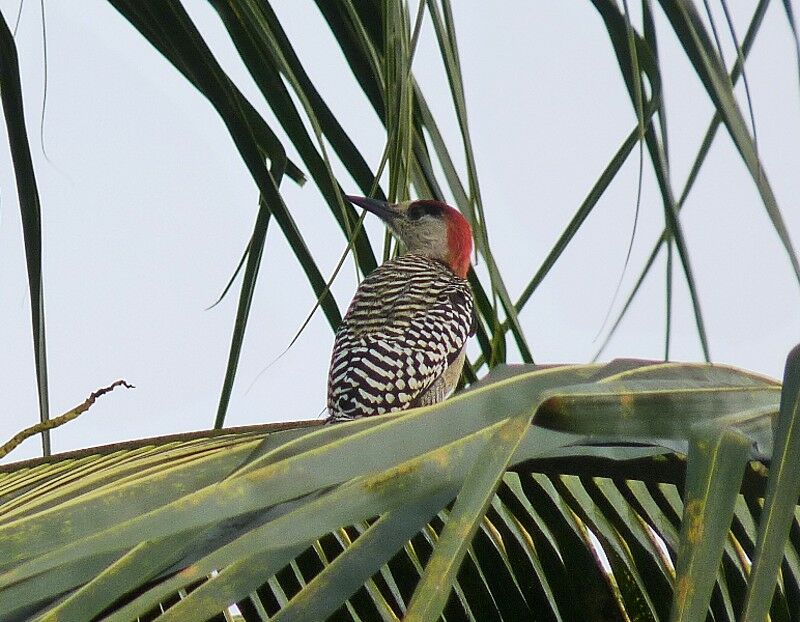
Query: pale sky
point(147, 207)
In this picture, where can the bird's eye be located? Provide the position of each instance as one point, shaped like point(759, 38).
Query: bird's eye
point(421, 208)
point(416, 211)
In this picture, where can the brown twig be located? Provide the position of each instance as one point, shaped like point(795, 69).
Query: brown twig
point(9, 446)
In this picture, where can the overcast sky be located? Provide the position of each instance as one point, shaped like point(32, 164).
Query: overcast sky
point(147, 207)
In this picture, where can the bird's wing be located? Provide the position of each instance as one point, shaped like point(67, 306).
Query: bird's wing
point(390, 350)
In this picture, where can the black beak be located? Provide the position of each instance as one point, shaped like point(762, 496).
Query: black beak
point(380, 208)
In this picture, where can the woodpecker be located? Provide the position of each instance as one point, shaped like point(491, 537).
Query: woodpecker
point(402, 341)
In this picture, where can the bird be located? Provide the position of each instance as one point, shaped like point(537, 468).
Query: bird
point(402, 342)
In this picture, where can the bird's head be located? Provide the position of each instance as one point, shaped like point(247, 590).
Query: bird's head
point(426, 227)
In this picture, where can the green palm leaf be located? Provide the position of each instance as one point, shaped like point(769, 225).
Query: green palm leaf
point(586, 510)
point(30, 210)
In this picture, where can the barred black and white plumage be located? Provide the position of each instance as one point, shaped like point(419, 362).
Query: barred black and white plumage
point(401, 343)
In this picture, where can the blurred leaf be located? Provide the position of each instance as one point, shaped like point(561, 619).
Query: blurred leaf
point(716, 464)
point(185, 48)
point(270, 57)
point(787, 7)
point(30, 210)
point(445, 33)
point(706, 62)
point(619, 33)
point(699, 159)
point(783, 489)
point(582, 214)
point(255, 250)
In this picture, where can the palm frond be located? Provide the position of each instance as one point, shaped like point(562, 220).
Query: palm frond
point(30, 210)
point(584, 504)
